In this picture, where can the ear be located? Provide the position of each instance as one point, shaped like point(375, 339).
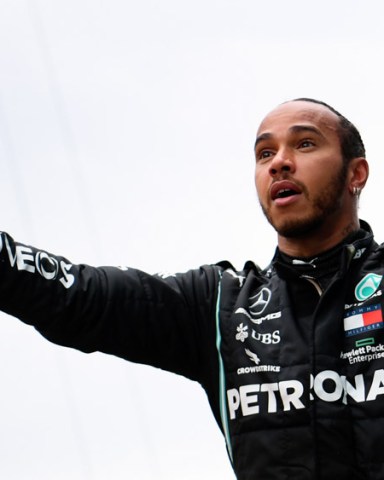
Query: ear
point(358, 171)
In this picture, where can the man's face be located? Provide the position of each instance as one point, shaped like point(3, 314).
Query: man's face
point(300, 175)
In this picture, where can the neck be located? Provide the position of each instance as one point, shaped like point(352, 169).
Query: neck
point(316, 242)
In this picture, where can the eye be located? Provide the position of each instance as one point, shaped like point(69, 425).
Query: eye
point(306, 143)
point(264, 154)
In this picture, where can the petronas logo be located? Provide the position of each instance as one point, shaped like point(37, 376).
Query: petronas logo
point(367, 286)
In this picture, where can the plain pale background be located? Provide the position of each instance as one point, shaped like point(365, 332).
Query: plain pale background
point(126, 137)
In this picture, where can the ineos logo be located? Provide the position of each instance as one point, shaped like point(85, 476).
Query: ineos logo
point(29, 260)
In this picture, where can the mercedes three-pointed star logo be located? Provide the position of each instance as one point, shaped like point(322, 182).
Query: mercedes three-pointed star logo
point(260, 301)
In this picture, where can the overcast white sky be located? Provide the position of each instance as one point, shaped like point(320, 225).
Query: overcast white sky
point(126, 135)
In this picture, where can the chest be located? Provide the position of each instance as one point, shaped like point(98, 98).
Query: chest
point(287, 344)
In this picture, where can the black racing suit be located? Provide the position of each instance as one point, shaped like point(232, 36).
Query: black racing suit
point(293, 365)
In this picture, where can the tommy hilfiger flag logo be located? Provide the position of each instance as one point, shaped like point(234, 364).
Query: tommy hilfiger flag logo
point(363, 319)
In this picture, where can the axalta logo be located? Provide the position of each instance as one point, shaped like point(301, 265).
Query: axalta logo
point(328, 386)
point(24, 258)
point(367, 286)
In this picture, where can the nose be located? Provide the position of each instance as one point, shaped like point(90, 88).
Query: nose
point(281, 162)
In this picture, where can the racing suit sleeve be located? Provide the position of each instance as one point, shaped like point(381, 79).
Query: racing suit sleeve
point(164, 322)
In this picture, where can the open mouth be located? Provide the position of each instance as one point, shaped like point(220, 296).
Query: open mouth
point(284, 189)
point(286, 192)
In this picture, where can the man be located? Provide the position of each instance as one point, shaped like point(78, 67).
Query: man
point(291, 357)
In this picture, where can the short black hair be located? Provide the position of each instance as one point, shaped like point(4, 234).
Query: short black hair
point(351, 143)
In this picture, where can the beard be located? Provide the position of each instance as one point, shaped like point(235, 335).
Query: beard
point(323, 205)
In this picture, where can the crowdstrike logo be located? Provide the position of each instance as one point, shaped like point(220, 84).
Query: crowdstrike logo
point(367, 286)
point(258, 367)
point(252, 356)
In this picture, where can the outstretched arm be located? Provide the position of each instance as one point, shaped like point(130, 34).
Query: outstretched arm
point(165, 322)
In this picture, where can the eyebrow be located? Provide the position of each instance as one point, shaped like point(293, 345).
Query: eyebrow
point(305, 128)
point(293, 129)
point(263, 136)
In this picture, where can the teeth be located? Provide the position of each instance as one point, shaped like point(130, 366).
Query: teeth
point(285, 193)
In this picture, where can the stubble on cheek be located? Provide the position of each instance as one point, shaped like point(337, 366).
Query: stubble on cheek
point(318, 209)
point(285, 223)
